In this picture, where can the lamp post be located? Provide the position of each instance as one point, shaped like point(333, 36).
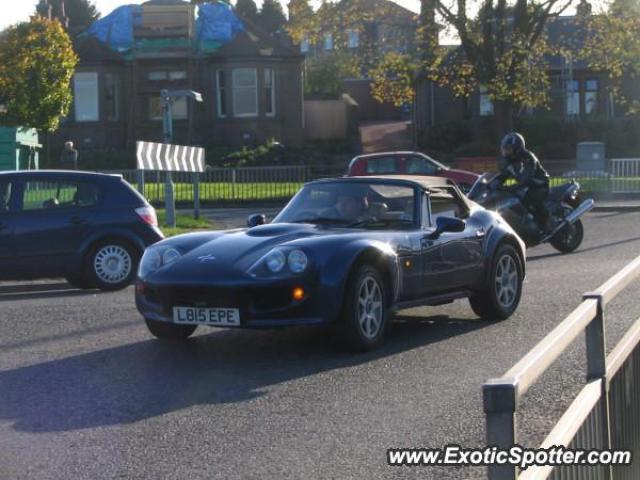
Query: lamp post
point(167, 99)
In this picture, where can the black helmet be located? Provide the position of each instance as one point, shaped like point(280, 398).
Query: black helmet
point(512, 144)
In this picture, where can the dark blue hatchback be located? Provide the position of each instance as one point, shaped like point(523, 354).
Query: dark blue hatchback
point(87, 227)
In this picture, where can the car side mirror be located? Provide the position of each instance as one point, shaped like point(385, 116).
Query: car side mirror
point(256, 219)
point(448, 224)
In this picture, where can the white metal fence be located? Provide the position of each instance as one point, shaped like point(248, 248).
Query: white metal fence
point(606, 412)
point(625, 175)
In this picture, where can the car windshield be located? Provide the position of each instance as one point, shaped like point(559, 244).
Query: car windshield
point(352, 204)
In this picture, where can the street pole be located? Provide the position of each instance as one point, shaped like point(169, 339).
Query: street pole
point(167, 129)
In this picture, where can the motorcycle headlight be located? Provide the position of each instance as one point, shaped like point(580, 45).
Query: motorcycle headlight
point(297, 261)
point(275, 261)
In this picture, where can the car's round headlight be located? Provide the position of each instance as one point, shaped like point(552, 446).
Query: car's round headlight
point(297, 261)
point(275, 261)
point(150, 262)
point(170, 255)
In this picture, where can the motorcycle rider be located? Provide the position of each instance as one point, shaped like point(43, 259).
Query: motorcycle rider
point(524, 167)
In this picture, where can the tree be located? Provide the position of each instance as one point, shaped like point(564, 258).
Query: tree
point(393, 79)
point(247, 9)
point(81, 13)
point(302, 21)
point(325, 73)
point(37, 62)
point(612, 45)
point(271, 17)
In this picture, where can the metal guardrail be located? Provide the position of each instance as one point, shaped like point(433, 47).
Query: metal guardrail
point(220, 185)
point(606, 412)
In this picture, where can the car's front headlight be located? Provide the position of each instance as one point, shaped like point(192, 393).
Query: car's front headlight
point(280, 260)
point(155, 258)
point(297, 261)
point(275, 260)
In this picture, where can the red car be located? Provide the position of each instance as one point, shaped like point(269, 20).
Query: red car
point(408, 163)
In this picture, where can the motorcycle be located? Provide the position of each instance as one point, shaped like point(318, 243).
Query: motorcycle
point(564, 204)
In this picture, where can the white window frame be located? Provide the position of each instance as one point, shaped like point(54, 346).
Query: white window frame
point(353, 38)
point(305, 45)
point(236, 88)
point(220, 94)
point(327, 41)
point(487, 108)
point(84, 79)
point(572, 105)
point(273, 91)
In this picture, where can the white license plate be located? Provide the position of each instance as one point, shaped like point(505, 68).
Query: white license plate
point(221, 317)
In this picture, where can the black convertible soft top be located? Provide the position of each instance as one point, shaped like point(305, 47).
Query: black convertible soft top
point(430, 184)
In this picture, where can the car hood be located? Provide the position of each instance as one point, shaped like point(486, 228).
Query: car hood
point(229, 256)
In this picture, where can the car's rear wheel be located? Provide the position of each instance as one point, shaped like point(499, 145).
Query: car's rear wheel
point(365, 311)
point(112, 264)
point(169, 331)
point(502, 294)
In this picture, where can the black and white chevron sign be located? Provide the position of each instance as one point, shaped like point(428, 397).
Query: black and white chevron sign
point(172, 158)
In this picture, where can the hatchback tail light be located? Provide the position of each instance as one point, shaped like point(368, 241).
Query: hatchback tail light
point(148, 215)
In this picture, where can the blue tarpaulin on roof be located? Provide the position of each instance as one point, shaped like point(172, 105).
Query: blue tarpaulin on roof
point(216, 25)
point(116, 29)
point(217, 22)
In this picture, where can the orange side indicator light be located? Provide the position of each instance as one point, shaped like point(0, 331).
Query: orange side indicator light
point(407, 263)
point(297, 293)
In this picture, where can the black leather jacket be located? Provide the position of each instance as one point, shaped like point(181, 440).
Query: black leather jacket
point(526, 169)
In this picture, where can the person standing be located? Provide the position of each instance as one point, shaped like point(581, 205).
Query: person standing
point(69, 157)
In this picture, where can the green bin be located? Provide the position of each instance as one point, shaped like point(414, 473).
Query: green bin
point(19, 148)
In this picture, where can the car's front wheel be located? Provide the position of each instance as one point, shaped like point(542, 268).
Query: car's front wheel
point(365, 311)
point(111, 265)
point(169, 331)
point(502, 294)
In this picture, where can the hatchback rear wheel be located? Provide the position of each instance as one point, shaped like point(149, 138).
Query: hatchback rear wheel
point(112, 264)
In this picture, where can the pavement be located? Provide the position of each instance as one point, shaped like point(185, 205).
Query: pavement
point(86, 392)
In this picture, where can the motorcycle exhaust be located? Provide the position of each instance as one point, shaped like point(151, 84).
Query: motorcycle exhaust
point(580, 210)
point(570, 219)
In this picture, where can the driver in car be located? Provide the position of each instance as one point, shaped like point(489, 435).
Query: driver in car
point(524, 167)
point(349, 206)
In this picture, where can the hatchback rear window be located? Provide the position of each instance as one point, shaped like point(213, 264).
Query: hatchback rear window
point(382, 165)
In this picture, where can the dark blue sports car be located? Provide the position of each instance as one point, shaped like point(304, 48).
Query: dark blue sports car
point(346, 252)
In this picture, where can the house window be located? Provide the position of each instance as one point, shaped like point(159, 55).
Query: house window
point(328, 41)
point(178, 75)
point(245, 92)
point(304, 45)
point(85, 87)
point(221, 92)
point(157, 76)
point(112, 97)
point(179, 109)
point(486, 103)
point(573, 98)
point(270, 92)
point(354, 38)
point(591, 97)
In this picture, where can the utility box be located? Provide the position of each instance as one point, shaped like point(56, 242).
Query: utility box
point(590, 156)
point(19, 148)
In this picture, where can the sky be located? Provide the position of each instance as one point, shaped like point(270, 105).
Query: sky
point(14, 11)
